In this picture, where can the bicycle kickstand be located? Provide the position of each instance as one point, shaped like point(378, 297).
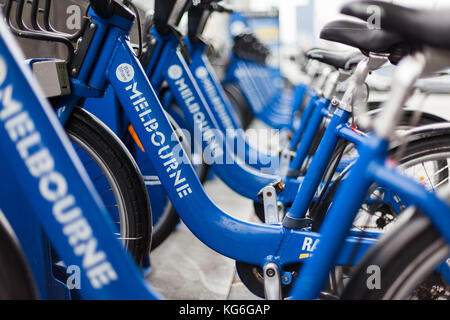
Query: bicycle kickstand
point(272, 282)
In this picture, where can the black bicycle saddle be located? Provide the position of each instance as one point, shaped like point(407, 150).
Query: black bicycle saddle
point(429, 27)
point(359, 35)
point(345, 60)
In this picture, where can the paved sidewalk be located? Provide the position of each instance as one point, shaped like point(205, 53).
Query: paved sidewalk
point(184, 268)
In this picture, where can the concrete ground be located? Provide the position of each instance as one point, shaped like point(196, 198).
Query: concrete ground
point(184, 268)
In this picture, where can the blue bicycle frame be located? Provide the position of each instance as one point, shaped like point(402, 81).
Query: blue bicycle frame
point(118, 66)
point(311, 119)
point(212, 90)
point(247, 183)
point(226, 120)
point(188, 95)
point(223, 111)
point(370, 167)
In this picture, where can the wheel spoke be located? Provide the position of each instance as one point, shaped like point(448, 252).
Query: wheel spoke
point(428, 176)
point(106, 192)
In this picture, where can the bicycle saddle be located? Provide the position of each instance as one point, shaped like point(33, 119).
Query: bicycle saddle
point(358, 35)
point(430, 27)
point(339, 59)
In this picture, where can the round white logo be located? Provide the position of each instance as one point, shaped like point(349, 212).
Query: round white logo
point(175, 72)
point(237, 27)
point(125, 72)
point(201, 72)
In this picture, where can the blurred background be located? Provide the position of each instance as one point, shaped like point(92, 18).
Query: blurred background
point(286, 26)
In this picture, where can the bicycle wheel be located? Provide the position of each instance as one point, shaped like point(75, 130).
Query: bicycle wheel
point(426, 160)
point(117, 179)
point(240, 104)
point(407, 257)
point(16, 280)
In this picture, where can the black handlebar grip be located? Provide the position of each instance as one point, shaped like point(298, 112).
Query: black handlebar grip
point(102, 7)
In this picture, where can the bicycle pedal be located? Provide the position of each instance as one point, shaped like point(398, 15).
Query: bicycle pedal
point(268, 196)
point(272, 282)
point(278, 185)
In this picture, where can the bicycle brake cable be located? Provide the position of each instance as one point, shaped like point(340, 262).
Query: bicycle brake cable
point(130, 4)
point(340, 149)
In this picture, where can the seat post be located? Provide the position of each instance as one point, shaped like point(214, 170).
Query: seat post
point(329, 90)
point(371, 63)
point(408, 72)
point(313, 72)
point(322, 80)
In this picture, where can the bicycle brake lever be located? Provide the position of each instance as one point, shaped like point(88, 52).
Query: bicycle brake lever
point(181, 43)
point(220, 8)
point(278, 185)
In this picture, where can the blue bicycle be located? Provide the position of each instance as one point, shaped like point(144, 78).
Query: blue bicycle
point(38, 162)
point(108, 162)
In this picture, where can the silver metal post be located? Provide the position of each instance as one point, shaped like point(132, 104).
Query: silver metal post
point(322, 79)
point(329, 89)
point(407, 73)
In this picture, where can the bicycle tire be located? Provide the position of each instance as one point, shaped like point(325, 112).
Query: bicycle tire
point(406, 256)
point(84, 127)
point(16, 279)
point(240, 104)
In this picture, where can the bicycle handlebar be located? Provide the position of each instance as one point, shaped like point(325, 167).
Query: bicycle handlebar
point(107, 8)
point(102, 7)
